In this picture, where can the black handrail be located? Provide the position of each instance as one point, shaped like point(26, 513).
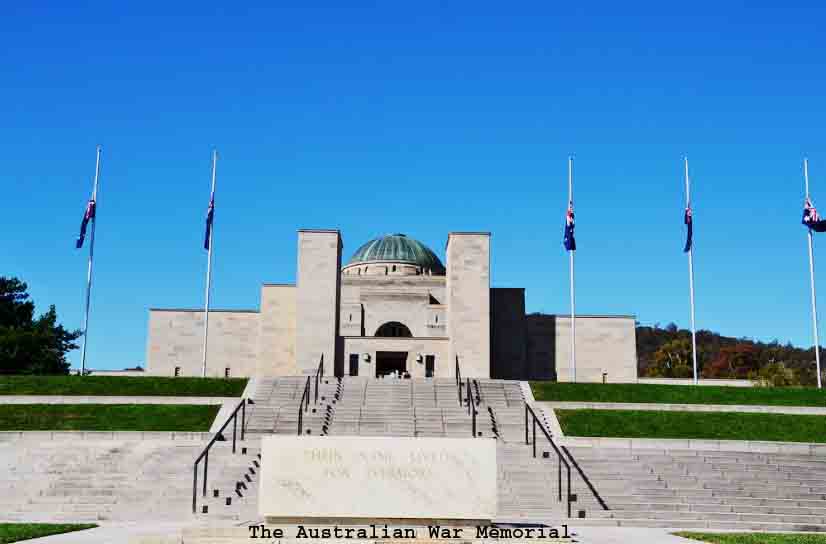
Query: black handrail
point(585, 479)
point(471, 408)
point(303, 405)
point(561, 458)
point(319, 373)
point(219, 437)
point(458, 380)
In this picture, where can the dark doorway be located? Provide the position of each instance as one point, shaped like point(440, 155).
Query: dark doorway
point(394, 329)
point(354, 364)
point(429, 365)
point(389, 361)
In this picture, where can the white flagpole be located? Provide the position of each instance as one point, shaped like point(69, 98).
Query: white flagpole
point(812, 279)
point(89, 268)
point(571, 256)
point(691, 275)
point(209, 269)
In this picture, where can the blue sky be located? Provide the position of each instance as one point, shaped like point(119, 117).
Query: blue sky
point(422, 118)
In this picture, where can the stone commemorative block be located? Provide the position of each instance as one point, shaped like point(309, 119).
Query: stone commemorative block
point(361, 478)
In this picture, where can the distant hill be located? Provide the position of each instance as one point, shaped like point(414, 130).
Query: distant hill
point(666, 352)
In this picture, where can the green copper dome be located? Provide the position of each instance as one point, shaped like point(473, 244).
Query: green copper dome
point(398, 248)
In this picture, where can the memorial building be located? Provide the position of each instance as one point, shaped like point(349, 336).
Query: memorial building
point(393, 308)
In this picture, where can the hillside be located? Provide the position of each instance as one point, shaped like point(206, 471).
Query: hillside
point(666, 352)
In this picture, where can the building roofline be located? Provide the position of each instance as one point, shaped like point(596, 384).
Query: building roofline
point(328, 231)
point(617, 316)
point(268, 284)
point(201, 310)
point(379, 338)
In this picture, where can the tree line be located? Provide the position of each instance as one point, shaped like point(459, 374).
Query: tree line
point(665, 352)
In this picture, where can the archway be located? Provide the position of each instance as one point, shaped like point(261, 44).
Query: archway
point(394, 329)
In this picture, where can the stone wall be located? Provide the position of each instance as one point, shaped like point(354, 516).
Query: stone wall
point(276, 337)
point(317, 299)
point(176, 339)
point(508, 339)
point(604, 344)
point(540, 352)
point(468, 301)
point(370, 302)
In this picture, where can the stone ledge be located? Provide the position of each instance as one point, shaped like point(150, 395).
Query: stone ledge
point(663, 444)
point(10, 436)
point(795, 410)
point(102, 399)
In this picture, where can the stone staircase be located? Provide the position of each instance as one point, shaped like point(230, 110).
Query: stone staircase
point(356, 406)
point(704, 489)
point(97, 480)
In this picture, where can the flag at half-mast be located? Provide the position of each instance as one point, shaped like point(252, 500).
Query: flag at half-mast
point(210, 215)
point(88, 215)
point(811, 218)
point(568, 240)
point(688, 219)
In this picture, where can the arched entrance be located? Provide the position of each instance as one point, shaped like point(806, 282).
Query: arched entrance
point(389, 362)
point(394, 329)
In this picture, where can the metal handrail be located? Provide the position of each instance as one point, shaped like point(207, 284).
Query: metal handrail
point(303, 405)
point(471, 408)
point(319, 373)
point(585, 479)
point(458, 380)
point(219, 437)
point(561, 458)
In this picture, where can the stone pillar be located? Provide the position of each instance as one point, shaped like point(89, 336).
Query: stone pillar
point(318, 294)
point(468, 302)
point(276, 334)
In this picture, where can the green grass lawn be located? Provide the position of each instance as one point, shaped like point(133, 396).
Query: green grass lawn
point(15, 532)
point(122, 386)
point(678, 394)
point(700, 425)
point(754, 538)
point(106, 417)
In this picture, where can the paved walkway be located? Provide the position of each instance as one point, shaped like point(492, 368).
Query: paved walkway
point(126, 533)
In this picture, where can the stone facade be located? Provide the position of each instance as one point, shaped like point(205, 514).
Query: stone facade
point(394, 306)
point(176, 343)
point(605, 345)
point(317, 298)
point(468, 302)
point(276, 333)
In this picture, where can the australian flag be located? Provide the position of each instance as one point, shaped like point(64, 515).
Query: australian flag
point(210, 215)
point(568, 240)
point(88, 215)
point(811, 218)
point(687, 219)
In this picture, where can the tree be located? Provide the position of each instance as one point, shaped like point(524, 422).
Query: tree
point(672, 360)
point(735, 361)
point(775, 375)
point(30, 345)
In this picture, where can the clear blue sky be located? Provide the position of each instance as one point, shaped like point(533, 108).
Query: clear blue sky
point(421, 118)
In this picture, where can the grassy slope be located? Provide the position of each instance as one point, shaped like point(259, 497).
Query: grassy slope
point(700, 425)
point(106, 417)
point(678, 394)
point(122, 386)
point(15, 532)
point(754, 538)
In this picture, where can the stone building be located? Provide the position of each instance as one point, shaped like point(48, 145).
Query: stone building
point(394, 306)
